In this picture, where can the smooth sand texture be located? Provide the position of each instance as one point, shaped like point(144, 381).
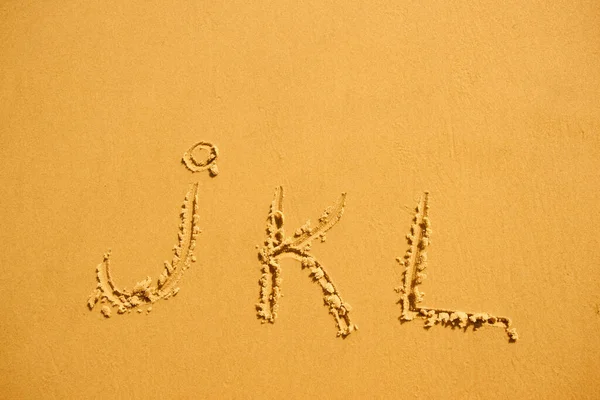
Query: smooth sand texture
point(494, 109)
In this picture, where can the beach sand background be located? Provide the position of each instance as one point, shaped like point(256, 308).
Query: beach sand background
point(492, 108)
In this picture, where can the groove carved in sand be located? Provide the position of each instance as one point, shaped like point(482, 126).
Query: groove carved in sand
point(415, 263)
point(297, 246)
point(194, 163)
point(145, 293)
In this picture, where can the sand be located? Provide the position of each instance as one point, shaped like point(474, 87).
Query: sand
point(356, 108)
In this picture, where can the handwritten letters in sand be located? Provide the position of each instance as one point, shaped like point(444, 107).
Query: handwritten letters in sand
point(297, 246)
point(415, 263)
point(145, 293)
point(202, 157)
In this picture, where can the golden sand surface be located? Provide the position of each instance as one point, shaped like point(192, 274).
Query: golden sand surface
point(446, 154)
